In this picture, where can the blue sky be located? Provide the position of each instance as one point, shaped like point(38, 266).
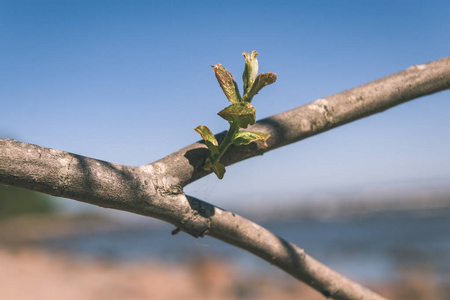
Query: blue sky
point(128, 81)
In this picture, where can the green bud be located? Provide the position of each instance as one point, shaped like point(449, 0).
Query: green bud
point(218, 169)
point(210, 139)
point(247, 137)
point(242, 113)
point(250, 71)
point(227, 83)
point(261, 81)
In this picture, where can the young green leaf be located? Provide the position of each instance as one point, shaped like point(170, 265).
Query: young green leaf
point(218, 169)
point(210, 139)
point(247, 137)
point(242, 113)
point(250, 71)
point(261, 81)
point(239, 114)
point(227, 83)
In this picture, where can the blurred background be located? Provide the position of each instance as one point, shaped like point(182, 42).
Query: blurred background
point(128, 81)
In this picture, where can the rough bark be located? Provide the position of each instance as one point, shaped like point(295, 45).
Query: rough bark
point(149, 191)
point(156, 189)
point(322, 115)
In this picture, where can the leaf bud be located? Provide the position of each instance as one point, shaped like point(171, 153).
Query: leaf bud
point(250, 71)
point(227, 83)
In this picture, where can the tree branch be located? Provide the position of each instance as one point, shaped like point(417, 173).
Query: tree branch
point(321, 115)
point(155, 189)
point(148, 191)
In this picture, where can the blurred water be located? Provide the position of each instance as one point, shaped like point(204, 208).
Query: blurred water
point(364, 248)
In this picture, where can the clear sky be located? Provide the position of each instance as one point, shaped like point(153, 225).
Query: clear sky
point(128, 81)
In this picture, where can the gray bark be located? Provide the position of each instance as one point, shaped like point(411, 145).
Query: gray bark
point(156, 189)
point(322, 115)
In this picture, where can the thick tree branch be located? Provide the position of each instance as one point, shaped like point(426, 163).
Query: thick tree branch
point(321, 115)
point(149, 191)
point(155, 189)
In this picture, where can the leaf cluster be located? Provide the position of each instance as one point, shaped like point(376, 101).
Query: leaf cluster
point(240, 114)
